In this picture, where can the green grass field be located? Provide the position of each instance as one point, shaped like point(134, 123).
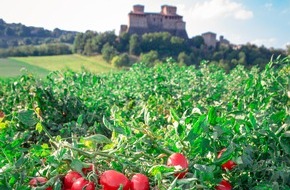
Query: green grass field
point(42, 65)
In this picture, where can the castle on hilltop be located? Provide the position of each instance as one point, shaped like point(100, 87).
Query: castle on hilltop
point(167, 20)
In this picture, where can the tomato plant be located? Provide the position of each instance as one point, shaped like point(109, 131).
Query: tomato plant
point(139, 182)
point(113, 180)
point(134, 120)
point(179, 161)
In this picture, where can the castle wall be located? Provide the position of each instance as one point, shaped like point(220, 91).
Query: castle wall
point(138, 20)
point(180, 25)
point(154, 20)
point(170, 22)
point(165, 21)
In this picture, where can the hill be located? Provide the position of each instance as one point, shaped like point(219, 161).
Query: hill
point(42, 65)
point(17, 34)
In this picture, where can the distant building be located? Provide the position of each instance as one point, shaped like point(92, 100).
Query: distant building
point(224, 42)
point(211, 41)
point(167, 20)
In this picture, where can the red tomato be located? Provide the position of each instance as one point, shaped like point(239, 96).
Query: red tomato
point(139, 182)
point(177, 159)
point(38, 181)
point(70, 178)
point(81, 183)
point(224, 185)
point(112, 180)
point(229, 165)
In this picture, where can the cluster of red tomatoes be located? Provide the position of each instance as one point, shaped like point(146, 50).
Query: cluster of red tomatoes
point(113, 180)
point(109, 180)
point(228, 165)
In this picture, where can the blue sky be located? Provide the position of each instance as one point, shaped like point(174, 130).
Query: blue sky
point(261, 22)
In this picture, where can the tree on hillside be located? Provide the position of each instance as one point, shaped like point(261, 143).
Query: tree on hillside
point(134, 45)
point(121, 60)
point(159, 41)
point(79, 43)
point(288, 49)
point(108, 52)
point(102, 38)
point(183, 58)
point(123, 42)
point(9, 32)
point(196, 41)
point(149, 58)
point(177, 45)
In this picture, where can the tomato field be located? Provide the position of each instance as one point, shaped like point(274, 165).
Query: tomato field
point(165, 127)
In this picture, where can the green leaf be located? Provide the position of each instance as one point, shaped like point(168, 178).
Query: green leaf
point(39, 127)
point(174, 114)
point(76, 165)
point(109, 126)
point(212, 115)
point(80, 120)
point(160, 169)
point(196, 130)
point(3, 125)
point(173, 184)
point(279, 116)
point(27, 117)
point(253, 120)
point(20, 161)
point(205, 172)
point(98, 138)
point(201, 146)
point(285, 142)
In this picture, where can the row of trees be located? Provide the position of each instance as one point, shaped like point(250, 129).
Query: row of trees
point(41, 50)
point(154, 47)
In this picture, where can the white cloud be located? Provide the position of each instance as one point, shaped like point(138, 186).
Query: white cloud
point(268, 42)
point(268, 6)
point(215, 9)
point(286, 44)
point(285, 11)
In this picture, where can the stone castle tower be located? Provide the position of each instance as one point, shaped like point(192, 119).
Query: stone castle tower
point(167, 20)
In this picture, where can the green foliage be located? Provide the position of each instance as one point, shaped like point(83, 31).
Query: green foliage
point(41, 50)
point(149, 58)
point(166, 45)
point(121, 60)
point(134, 45)
point(132, 120)
point(183, 58)
point(108, 52)
point(91, 42)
